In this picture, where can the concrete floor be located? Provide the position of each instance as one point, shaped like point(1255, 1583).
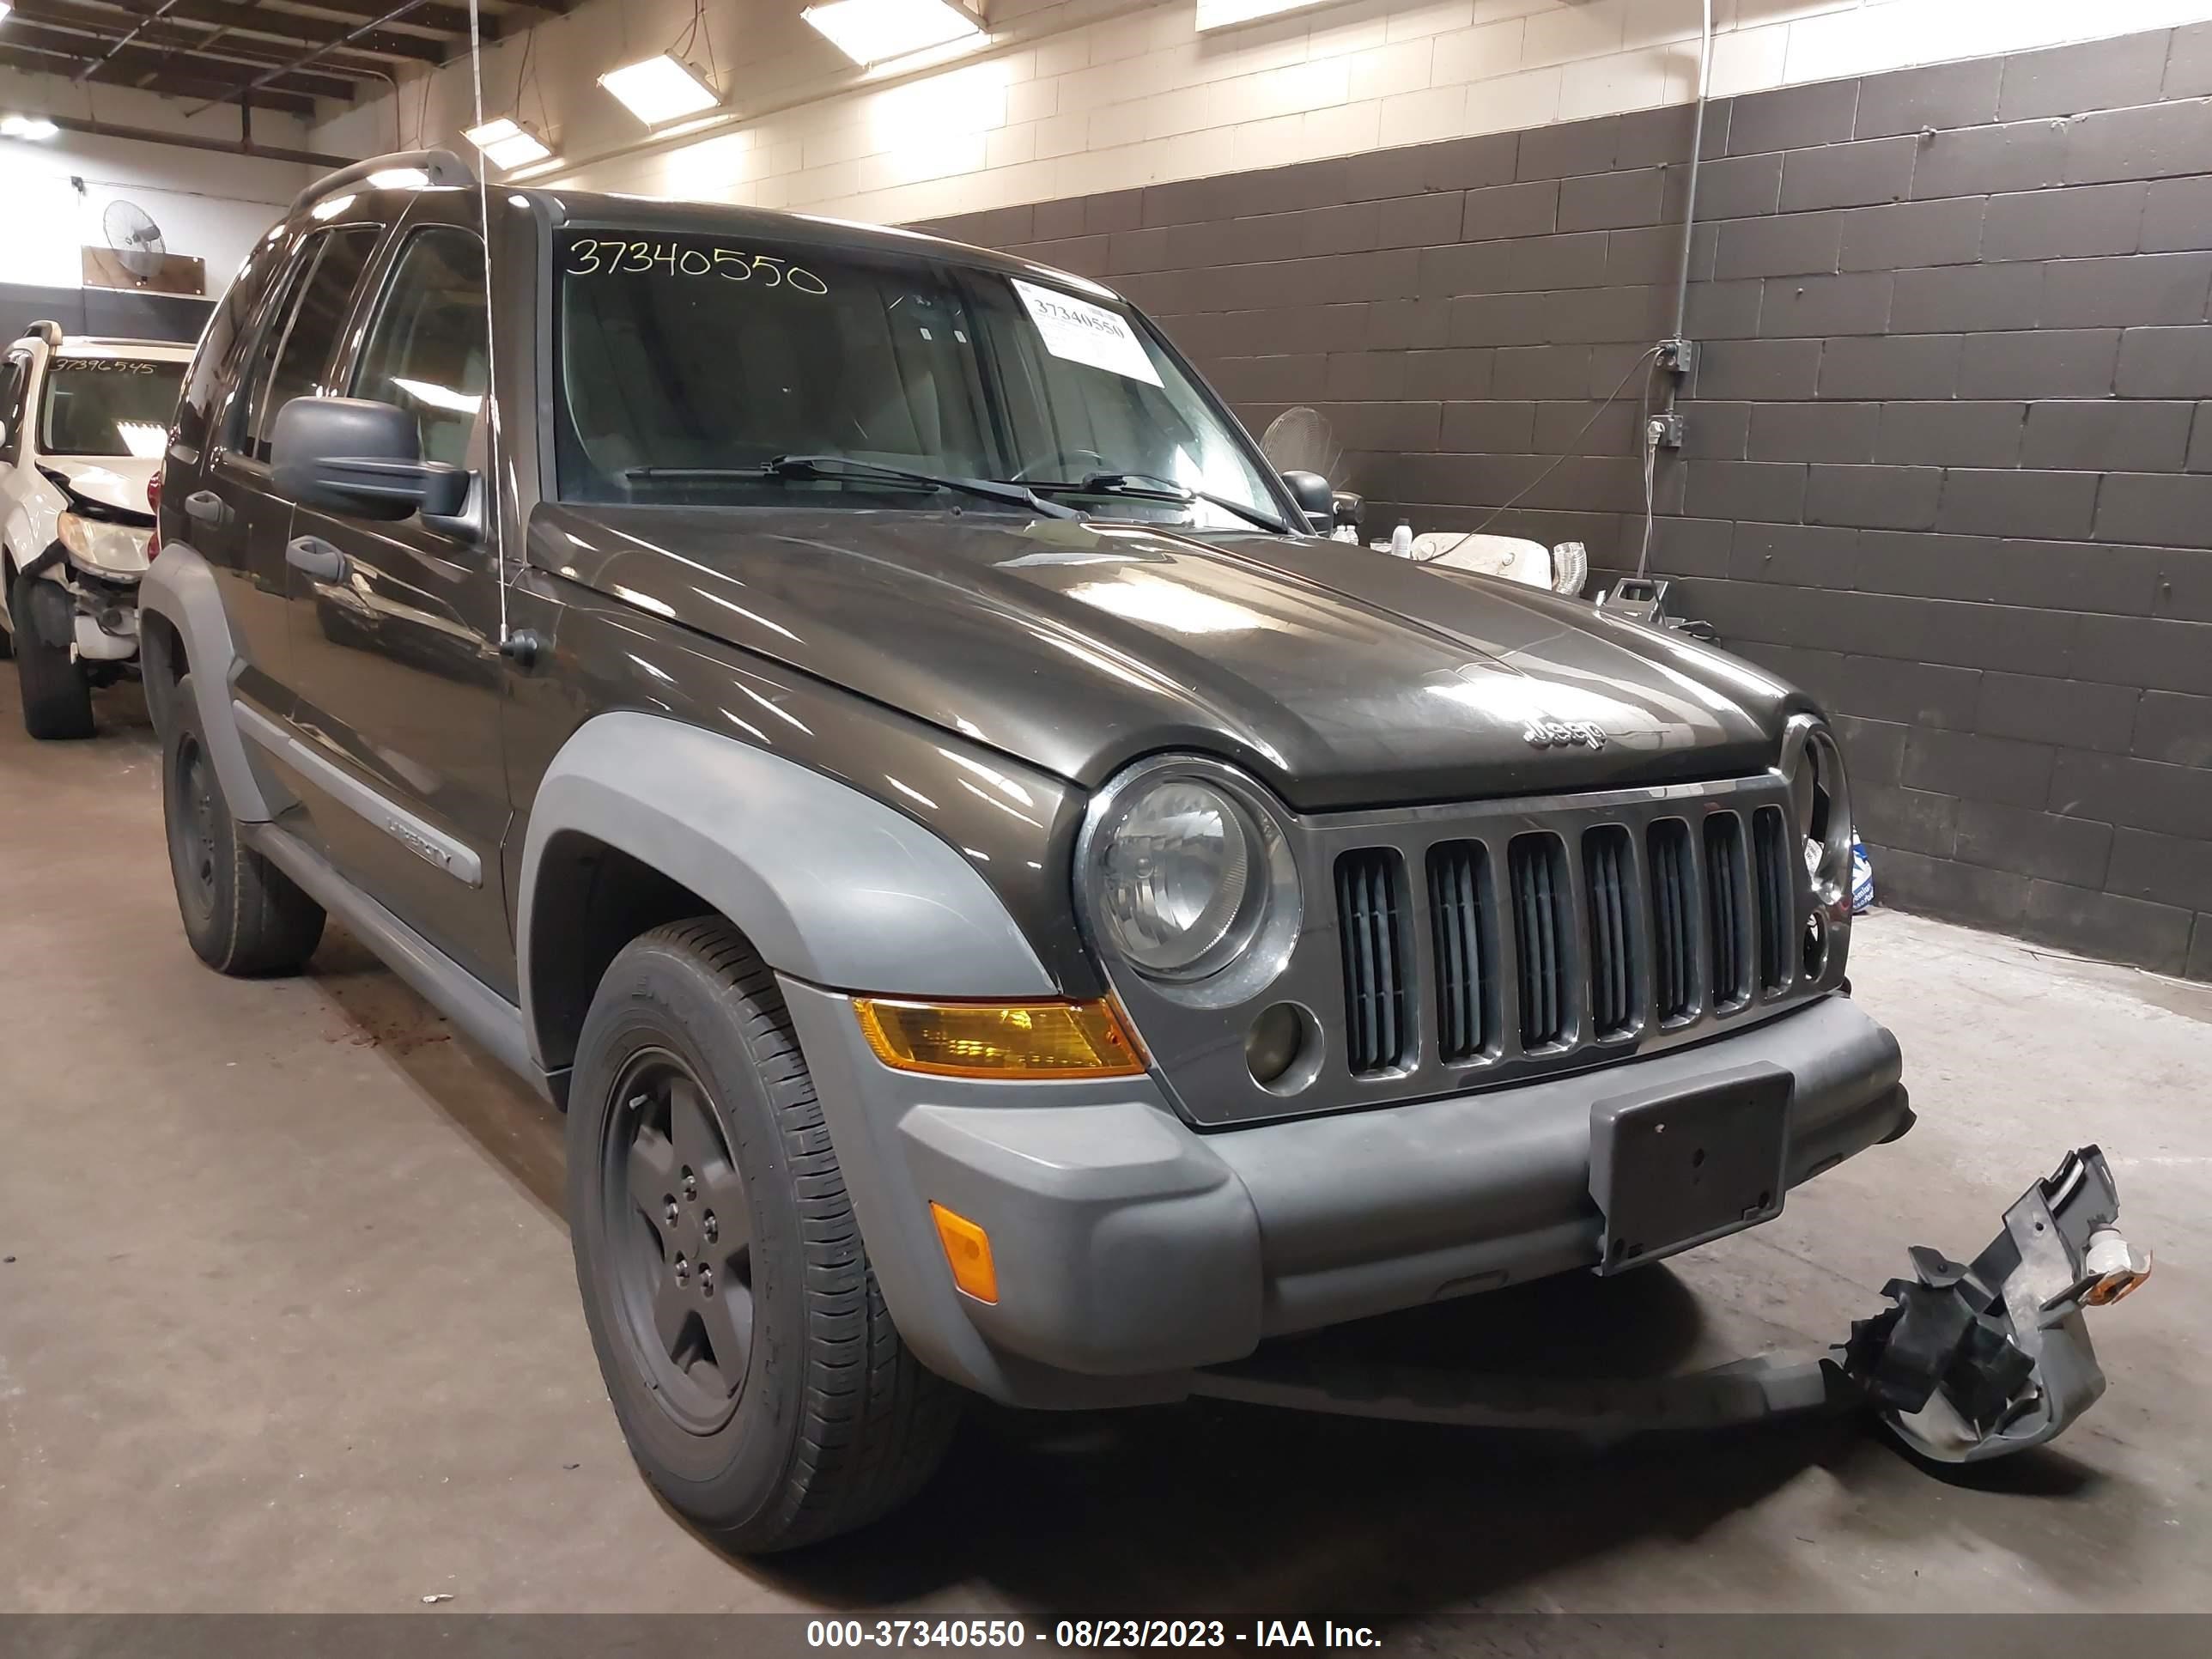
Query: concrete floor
point(287, 1322)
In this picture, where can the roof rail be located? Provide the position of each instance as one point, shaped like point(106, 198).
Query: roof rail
point(50, 332)
point(441, 166)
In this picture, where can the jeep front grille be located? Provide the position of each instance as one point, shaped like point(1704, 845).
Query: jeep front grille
point(1459, 946)
point(1603, 929)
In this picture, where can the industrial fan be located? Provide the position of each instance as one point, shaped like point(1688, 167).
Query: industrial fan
point(135, 239)
point(1301, 439)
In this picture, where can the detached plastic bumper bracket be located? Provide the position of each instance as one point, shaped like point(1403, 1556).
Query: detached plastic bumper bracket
point(1980, 1361)
point(1968, 1361)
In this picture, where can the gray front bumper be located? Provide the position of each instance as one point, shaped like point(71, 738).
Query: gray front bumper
point(1132, 1250)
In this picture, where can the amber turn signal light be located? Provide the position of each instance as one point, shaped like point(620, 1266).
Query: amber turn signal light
point(1007, 1040)
point(968, 1251)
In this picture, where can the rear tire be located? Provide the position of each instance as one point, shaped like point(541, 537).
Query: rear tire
point(243, 915)
point(57, 695)
point(774, 1403)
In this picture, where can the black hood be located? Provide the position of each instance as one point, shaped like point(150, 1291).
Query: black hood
point(1344, 677)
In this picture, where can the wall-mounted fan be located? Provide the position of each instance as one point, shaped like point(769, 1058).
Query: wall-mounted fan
point(1301, 439)
point(134, 238)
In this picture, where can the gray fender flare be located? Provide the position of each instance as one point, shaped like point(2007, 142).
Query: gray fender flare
point(179, 587)
point(830, 885)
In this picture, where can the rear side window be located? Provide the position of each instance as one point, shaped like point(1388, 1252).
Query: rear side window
point(427, 349)
point(301, 333)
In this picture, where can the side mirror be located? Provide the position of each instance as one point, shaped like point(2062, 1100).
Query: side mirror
point(358, 456)
point(1315, 498)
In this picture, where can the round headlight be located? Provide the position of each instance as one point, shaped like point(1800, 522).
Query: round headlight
point(1177, 878)
point(1820, 802)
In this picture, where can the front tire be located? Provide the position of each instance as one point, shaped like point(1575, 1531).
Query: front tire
point(243, 915)
point(57, 695)
point(754, 1369)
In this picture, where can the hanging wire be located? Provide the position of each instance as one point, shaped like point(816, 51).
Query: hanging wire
point(522, 68)
point(528, 79)
point(690, 36)
point(1645, 359)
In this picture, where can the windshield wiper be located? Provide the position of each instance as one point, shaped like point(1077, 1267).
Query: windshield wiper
point(1151, 486)
point(839, 466)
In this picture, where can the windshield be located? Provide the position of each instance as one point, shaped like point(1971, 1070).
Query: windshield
point(686, 361)
point(108, 406)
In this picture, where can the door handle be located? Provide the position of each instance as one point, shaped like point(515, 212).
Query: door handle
point(316, 556)
point(206, 507)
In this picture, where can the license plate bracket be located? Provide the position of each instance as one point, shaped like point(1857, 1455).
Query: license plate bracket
point(1678, 1165)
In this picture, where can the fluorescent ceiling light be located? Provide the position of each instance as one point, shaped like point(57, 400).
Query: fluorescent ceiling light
point(535, 170)
point(145, 439)
point(1222, 14)
point(438, 397)
point(4, 9)
point(26, 126)
point(508, 145)
point(661, 90)
point(872, 31)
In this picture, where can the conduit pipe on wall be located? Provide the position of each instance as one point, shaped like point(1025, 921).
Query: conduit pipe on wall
point(1650, 435)
point(1697, 154)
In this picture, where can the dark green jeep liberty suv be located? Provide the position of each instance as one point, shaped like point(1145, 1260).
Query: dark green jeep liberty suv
point(1005, 906)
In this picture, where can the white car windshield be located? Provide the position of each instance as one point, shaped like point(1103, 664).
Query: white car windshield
point(110, 406)
point(687, 362)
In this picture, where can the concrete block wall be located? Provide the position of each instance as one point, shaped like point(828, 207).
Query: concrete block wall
point(1949, 450)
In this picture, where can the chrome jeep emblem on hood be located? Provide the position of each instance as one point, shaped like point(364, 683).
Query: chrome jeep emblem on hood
point(1558, 734)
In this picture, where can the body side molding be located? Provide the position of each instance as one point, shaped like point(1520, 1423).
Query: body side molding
point(830, 885)
point(423, 839)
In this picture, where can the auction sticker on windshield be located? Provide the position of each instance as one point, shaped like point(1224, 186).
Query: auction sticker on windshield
point(1083, 333)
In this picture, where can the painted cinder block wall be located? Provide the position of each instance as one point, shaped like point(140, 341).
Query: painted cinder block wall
point(1949, 451)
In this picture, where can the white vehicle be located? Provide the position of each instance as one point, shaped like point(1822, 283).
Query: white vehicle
point(82, 425)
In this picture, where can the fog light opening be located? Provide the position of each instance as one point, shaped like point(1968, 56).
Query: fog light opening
point(1282, 1049)
point(1816, 945)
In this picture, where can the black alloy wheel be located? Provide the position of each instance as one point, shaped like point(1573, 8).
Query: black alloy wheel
point(194, 849)
point(682, 1248)
point(748, 1354)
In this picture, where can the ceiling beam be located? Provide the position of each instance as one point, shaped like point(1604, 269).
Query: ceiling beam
point(193, 141)
point(101, 26)
point(253, 23)
point(181, 83)
point(148, 65)
point(435, 18)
